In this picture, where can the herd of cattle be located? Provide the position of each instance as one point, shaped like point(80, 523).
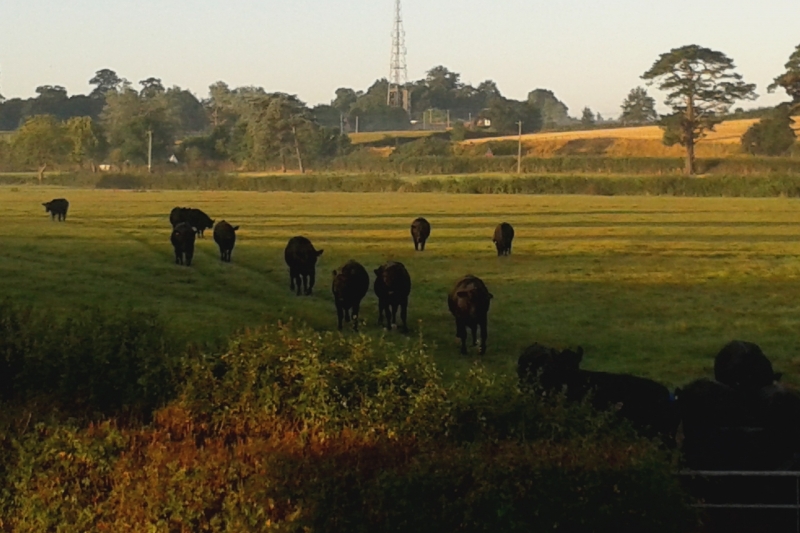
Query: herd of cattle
point(743, 419)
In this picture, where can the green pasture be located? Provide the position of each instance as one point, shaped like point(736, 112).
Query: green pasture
point(650, 285)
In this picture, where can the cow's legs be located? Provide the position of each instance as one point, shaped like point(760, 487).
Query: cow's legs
point(404, 315)
point(484, 335)
point(356, 308)
point(422, 245)
point(311, 280)
point(461, 333)
point(292, 275)
point(474, 329)
point(339, 314)
point(189, 255)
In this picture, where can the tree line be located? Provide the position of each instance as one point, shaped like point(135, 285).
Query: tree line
point(121, 123)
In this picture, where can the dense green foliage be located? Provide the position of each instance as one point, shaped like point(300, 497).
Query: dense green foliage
point(290, 430)
point(772, 135)
point(638, 108)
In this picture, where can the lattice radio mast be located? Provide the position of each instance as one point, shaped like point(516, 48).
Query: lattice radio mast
point(398, 71)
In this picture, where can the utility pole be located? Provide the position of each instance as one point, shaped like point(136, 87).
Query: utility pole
point(149, 151)
point(356, 123)
point(341, 123)
point(448, 119)
point(519, 149)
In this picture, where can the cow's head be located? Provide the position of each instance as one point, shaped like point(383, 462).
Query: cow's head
point(46, 206)
point(552, 368)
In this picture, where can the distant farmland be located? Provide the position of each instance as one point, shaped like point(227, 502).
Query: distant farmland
point(614, 142)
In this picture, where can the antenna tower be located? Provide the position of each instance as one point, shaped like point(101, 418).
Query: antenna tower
point(398, 72)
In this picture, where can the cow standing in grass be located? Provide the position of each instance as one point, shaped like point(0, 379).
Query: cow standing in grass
point(350, 285)
point(182, 239)
point(420, 231)
point(301, 257)
point(503, 235)
point(469, 304)
point(196, 218)
point(57, 208)
point(225, 237)
point(392, 287)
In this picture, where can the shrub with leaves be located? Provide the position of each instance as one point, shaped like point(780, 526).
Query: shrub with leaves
point(772, 135)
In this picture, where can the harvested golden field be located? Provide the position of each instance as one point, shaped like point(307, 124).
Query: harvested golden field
point(629, 142)
point(372, 136)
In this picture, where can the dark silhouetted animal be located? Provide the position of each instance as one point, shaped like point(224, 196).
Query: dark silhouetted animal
point(301, 257)
point(182, 239)
point(742, 365)
point(503, 235)
point(194, 217)
point(392, 287)
point(644, 402)
point(57, 207)
point(420, 231)
point(469, 303)
point(225, 237)
point(725, 428)
point(350, 285)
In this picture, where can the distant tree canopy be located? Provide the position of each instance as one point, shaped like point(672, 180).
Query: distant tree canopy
point(789, 81)
point(639, 107)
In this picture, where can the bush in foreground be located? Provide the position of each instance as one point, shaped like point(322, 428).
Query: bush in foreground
point(291, 430)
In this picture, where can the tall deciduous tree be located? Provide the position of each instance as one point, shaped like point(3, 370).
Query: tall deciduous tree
point(85, 140)
point(41, 141)
point(789, 81)
point(701, 85)
point(638, 107)
point(588, 117)
point(772, 135)
point(104, 80)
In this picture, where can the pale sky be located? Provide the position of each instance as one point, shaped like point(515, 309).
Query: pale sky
point(589, 52)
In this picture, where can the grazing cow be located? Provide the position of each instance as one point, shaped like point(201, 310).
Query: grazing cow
point(194, 217)
point(182, 238)
point(301, 257)
point(349, 287)
point(392, 287)
point(503, 235)
point(469, 303)
point(742, 365)
point(57, 207)
point(644, 402)
point(420, 231)
point(225, 237)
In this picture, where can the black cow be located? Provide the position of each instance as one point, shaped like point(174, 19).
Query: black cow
point(503, 235)
point(301, 257)
point(743, 365)
point(182, 239)
point(57, 207)
point(725, 428)
point(469, 303)
point(349, 287)
point(194, 217)
point(392, 287)
point(225, 237)
point(420, 231)
point(647, 404)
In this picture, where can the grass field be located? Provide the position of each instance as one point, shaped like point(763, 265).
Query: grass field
point(372, 136)
point(651, 285)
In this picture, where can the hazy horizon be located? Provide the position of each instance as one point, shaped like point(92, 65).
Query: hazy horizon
point(588, 55)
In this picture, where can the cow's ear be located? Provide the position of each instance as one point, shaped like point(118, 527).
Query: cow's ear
point(778, 376)
point(377, 271)
point(580, 353)
point(491, 295)
point(44, 204)
point(334, 274)
point(236, 228)
point(462, 294)
point(319, 252)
